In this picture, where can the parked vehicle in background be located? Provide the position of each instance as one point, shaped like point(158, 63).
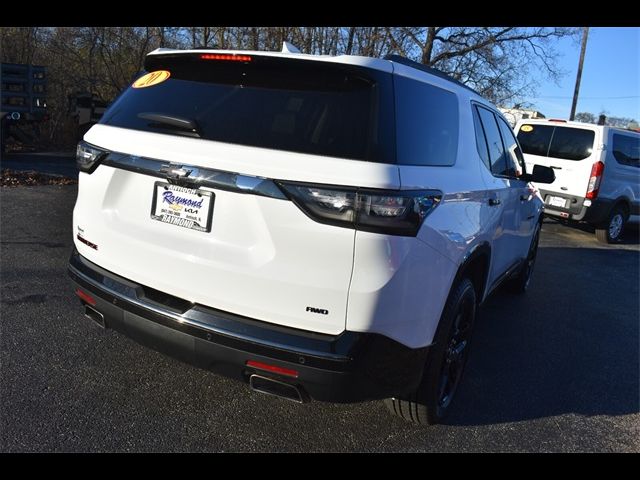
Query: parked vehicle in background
point(514, 115)
point(597, 171)
point(87, 109)
point(318, 227)
point(24, 104)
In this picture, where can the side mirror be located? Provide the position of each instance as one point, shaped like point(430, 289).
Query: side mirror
point(540, 174)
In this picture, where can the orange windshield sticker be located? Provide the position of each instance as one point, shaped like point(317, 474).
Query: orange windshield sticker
point(151, 79)
point(526, 128)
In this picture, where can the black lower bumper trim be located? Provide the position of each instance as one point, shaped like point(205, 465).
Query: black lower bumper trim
point(343, 368)
point(596, 212)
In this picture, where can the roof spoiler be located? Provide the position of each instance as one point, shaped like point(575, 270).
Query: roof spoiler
point(289, 48)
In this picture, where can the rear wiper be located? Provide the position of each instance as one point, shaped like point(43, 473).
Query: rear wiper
point(184, 125)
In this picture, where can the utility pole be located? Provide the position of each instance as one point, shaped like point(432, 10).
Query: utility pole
point(585, 34)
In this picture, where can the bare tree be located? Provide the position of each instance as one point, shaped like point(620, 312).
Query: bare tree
point(496, 61)
point(585, 117)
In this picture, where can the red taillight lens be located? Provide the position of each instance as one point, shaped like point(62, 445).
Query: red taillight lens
point(225, 56)
point(594, 180)
point(272, 368)
point(86, 297)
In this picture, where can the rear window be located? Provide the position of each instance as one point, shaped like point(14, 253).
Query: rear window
point(535, 139)
point(295, 105)
point(556, 141)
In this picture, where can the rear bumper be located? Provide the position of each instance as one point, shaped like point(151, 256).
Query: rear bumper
point(596, 213)
point(349, 367)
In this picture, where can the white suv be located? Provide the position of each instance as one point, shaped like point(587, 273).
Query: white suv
point(597, 172)
point(320, 227)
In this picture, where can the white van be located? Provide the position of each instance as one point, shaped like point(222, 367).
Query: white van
point(597, 171)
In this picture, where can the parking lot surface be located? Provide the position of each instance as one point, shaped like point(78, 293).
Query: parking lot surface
point(554, 370)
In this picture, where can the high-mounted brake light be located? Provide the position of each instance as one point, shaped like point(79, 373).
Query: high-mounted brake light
point(225, 56)
point(557, 120)
point(594, 180)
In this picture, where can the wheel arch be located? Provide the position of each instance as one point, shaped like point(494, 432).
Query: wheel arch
point(476, 265)
point(623, 202)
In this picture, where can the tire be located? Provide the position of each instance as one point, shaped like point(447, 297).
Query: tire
point(612, 232)
point(445, 362)
point(520, 283)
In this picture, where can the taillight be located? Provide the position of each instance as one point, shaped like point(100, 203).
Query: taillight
point(594, 180)
point(383, 211)
point(88, 156)
point(272, 368)
point(86, 297)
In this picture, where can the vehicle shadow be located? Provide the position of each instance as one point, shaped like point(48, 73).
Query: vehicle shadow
point(571, 345)
point(630, 235)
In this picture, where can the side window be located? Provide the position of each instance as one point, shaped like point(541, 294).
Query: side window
point(427, 123)
point(515, 159)
point(497, 156)
point(481, 141)
point(626, 149)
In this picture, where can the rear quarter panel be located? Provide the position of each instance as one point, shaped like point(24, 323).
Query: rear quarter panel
point(400, 284)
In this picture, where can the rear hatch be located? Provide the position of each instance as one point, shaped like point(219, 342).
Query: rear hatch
point(191, 198)
point(569, 150)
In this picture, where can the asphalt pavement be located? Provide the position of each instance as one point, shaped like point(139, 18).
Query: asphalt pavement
point(554, 370)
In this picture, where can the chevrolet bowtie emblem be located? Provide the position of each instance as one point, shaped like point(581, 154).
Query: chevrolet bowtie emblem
point(176, 171)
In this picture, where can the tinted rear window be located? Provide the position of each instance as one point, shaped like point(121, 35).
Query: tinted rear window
point(295, 105)
point(571, 143)
point(556, 141)
point(535, 139)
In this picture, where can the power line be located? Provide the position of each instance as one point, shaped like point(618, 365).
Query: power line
point(589, 98)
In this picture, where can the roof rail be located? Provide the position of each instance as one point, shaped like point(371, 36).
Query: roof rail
point(424, 68)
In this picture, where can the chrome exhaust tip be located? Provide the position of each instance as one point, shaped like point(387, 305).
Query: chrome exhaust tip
point(277, 388)
point(92, 314)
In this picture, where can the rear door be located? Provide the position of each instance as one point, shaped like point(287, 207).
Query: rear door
point(226, 129)
point(571, 152)
point(523, 196)
point(503, 197)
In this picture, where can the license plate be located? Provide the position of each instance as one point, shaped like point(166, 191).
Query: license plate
point(184, 207)
point(557, 201)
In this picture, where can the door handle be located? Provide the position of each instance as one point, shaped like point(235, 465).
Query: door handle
point(556, 168)
point(494, 202)
point(524, 198)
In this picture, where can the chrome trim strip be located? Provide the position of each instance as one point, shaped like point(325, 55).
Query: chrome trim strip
point(201, 325)
point(195, 176)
